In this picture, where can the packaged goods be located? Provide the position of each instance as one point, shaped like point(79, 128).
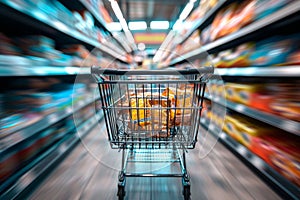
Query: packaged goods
point(272, 51)
point(264, 8)
point(242, 93)
point(160, 110)
point(281, 151)
point(294, 58)
point(139, 112)
point(8, 164)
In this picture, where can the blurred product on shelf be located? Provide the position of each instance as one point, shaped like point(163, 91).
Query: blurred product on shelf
point(279, 149)
point(238, 57)
point(24, 152)
point(242, 128)
point(7, 46)
point(39, 50)
point(232, 18)
point(23, 106)
point(80, 20)
point(264, 8)
point(39, 46)
point(83, 58)
point(193, 42)
point(238, 15)
point(197, 14)
point(100, 9)
point(278, 98)
point(274, 51)
point(278, 50)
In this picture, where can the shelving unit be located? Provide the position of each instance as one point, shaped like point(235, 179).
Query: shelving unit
point(39, 19)
point(276, 71)
point(260, 29)
point(41, 71)
point(99, 21)
point(40, 167)
point(11, 138)
point(30, 19)
point(274, 120)
point(286, 11)
point(261, 167)
point(202, 21)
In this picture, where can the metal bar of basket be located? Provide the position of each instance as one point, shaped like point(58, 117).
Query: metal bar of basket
point(150, 81)
point(202, 70)
point(152, 175)
point(201, 106)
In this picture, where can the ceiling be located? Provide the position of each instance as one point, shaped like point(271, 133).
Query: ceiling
point(148, 10)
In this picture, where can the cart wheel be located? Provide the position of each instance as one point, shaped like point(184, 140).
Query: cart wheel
point(187, 193)
point(121, 192)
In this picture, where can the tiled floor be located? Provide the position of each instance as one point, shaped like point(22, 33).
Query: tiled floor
point(91, 172)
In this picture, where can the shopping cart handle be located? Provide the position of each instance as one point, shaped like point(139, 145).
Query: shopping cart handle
point(203, 70)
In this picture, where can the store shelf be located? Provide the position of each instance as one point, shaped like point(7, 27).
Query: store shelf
point(40, 167)
point(276, 71)
point(286, 11)
point(261, 167)
point(34, 14)
point(99, 21)
point(274, 120)
point(102, 22)
point(41, 70)
point(94, 13)
point(200, 22)
point(10, 139)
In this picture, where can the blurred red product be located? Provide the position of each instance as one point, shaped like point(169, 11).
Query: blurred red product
point(262, 102)
point(281, 151)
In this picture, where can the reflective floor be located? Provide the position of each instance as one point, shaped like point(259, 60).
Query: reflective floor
point(91, 172)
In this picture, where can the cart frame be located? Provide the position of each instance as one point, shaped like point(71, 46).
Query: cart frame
point(124, 95)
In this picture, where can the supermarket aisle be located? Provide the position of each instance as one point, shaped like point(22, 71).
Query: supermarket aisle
point(218, 176)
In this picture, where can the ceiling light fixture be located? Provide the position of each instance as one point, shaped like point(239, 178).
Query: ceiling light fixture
point(138, 25)
point(116, 9)
point(186, 11)
point(114, 26)
point(177, 25)
point(159, 24)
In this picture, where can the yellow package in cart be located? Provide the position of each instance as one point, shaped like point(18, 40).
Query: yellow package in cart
point(140, 112)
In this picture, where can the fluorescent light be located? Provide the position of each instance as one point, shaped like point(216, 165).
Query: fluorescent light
point(177, 25)
point(159, 25)
point(123, 24)
point(139, 25)
point(141, 46)
point(116, 9)
point(114, 26)
point(186, 11)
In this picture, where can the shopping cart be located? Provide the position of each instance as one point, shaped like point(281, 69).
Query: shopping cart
point(151, 113)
